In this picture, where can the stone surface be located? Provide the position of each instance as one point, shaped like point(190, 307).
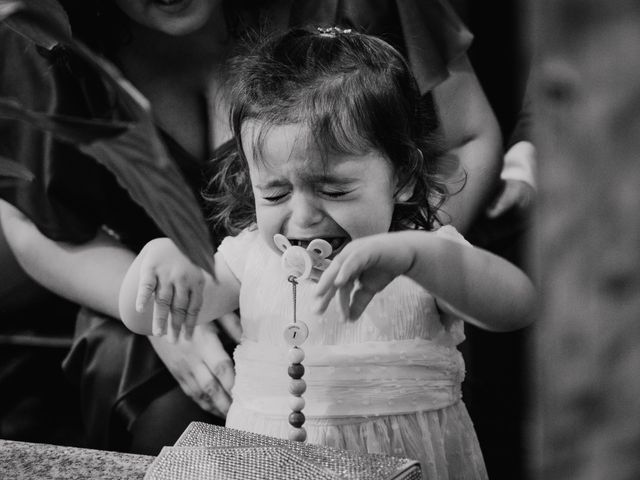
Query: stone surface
point(22, 460)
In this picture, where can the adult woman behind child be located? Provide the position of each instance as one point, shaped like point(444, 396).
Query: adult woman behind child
point(337, 156)
point(174, 58)
point(124, 385)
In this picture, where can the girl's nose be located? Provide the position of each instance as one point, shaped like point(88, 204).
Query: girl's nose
point(305, 211)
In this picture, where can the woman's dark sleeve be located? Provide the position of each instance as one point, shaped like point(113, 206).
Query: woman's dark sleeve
point(65, 200)
point(72, 195)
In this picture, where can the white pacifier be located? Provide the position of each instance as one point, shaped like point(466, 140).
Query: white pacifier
point(301, 262)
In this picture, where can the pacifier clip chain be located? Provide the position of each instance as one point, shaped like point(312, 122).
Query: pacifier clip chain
point(295, 334)
point(299, 263)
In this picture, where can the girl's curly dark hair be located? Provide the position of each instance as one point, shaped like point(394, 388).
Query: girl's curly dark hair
point(355, 93)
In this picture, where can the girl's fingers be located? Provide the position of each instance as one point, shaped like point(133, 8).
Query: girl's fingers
point(338, 278)
point(344, 281)
point(323, 299)
point(161, 306)
point(146, 286)
point(325, 289)
point(344, 298)
point(351, 268)
point(195, 303)
point(359, 301)
point(326, 279)
point(179, 306)
point(158, 328)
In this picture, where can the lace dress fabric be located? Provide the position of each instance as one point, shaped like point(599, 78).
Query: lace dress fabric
point(386, 383)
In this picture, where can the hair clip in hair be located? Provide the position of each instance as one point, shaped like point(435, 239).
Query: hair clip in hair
point(333, 31)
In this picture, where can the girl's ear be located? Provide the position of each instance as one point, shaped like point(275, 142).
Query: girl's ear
point(406, 192)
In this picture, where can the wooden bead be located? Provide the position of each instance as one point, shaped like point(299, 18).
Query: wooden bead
point(296, 404)
point(296, 419)
point(296, 355)
point(296, 370)
point(297, 387)
point(297, 434)
point(296, 333)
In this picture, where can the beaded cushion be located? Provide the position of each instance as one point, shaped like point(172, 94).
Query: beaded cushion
point(209, 451)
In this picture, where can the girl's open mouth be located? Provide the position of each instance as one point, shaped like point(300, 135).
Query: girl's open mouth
point(336, 243)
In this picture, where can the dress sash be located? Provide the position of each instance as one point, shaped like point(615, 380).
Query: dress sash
point(365, 379)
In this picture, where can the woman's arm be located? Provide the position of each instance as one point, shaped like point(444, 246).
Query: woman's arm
point(491, 292)
point(89, 274)
point(471, 133)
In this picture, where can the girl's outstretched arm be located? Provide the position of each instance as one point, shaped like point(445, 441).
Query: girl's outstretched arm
point(182, 292)
point(495, 294)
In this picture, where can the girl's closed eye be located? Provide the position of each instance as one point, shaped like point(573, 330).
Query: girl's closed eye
point(335, 192)
point(274, 197)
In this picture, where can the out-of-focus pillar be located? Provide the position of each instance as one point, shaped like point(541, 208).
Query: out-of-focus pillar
point(587, 247)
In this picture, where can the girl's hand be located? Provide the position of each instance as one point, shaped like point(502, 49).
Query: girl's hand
point(363, 268)
point(176, 283)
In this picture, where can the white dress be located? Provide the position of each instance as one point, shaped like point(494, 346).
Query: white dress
point(386, 383)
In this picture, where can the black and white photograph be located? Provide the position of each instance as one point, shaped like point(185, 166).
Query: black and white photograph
point(320, 239)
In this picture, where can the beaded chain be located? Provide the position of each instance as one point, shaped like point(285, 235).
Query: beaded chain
point(295, 335)
point(299, 264)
